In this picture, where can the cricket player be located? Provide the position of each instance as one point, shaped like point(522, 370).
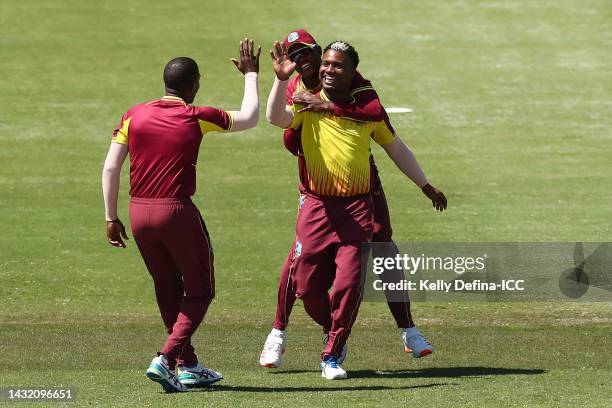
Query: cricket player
point(303, 49)
point(337, 208)
point(163, 138)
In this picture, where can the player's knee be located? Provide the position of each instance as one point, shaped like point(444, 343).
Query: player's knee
point(348, 286)
point(310, 293)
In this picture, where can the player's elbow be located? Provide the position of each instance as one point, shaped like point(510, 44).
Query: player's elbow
point(278, 120)
point(270, 117)
point(111, 170)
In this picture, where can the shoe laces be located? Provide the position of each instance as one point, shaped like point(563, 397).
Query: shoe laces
point(206, 373)
point(331, 362)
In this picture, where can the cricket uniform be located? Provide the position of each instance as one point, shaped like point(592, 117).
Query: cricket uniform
point(164, 137)
point(366, 107)
point(335, 217)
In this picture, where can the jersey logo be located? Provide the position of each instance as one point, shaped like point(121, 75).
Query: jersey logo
point(292, 37)
point(302, 200)
point(298, 249)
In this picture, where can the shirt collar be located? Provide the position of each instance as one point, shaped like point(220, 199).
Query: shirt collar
point(172, 98)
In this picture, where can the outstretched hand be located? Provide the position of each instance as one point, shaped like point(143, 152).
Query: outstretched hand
point(114, 231)
point(312, 103)
point(438, 199)
point(248, 61)
point(283, 66)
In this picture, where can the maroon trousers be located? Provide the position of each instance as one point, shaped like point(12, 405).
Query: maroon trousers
point(382, 233)
point(327, 253)
point(175, 246)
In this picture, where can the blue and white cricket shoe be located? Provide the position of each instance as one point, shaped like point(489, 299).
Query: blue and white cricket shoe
point(331, 370)
point(416, 343)
point(343, 353)
point(198, 376)
point(159, 372)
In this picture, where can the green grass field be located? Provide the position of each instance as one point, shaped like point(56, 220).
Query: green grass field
point(512, 103)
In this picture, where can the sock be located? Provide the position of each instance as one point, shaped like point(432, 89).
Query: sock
point(277, 332)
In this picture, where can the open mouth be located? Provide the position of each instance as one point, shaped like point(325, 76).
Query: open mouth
point(329, 80)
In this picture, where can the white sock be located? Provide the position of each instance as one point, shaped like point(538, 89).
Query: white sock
point(277, 332)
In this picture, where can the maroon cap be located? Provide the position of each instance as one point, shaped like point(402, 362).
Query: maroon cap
point(299, 37)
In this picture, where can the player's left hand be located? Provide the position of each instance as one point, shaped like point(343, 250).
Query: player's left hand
point(283, 66)
point(249, 61)
point(312, 103)
point(114, 231)
point(438, 199)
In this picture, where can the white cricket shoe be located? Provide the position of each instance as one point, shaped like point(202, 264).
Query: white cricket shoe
point(331, 370)
point(198, 376)
point(159, 372)
point(273, 348)
point(415, 343)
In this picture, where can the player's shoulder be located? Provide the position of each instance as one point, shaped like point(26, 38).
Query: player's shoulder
point(359, 82)
point(137, 108)
point(204, 112)
point(295, 80)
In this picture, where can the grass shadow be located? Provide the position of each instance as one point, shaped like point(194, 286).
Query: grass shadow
point(433, 372)
point(222, 388)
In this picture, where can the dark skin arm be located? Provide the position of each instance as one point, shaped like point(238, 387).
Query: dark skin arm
point(366, 106)
point(312, 103)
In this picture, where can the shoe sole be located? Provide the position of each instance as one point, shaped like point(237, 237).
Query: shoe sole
point(423, 353)
point(271, 365)
point(199, 384)
point(166, 385)
point(343, 377)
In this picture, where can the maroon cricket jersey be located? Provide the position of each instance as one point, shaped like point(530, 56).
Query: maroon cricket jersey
point(164, 140)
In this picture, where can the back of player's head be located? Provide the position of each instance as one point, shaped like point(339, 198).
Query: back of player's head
point(346, 48)
point(180, 73)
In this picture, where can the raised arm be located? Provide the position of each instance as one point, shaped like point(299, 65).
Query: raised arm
point(111, 175)
point(277, 111)
point(248, 64)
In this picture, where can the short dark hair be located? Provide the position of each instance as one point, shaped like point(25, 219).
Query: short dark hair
point(180, 73)
point(346, 48)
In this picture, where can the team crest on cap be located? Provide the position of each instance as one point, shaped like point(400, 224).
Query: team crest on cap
point(292, 37)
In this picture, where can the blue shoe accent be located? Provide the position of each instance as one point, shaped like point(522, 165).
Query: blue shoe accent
point(331, 361)
point(161, 375)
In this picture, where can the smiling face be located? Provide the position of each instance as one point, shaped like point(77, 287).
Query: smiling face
point(336, 72)
point(307, 60)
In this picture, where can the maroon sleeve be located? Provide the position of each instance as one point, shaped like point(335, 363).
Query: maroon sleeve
point(366, 106)
point(293, 140)
point(213, 120)
point(120, 125)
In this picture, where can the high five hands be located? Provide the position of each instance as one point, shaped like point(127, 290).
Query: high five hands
point(248, 61)
point(283, 66)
